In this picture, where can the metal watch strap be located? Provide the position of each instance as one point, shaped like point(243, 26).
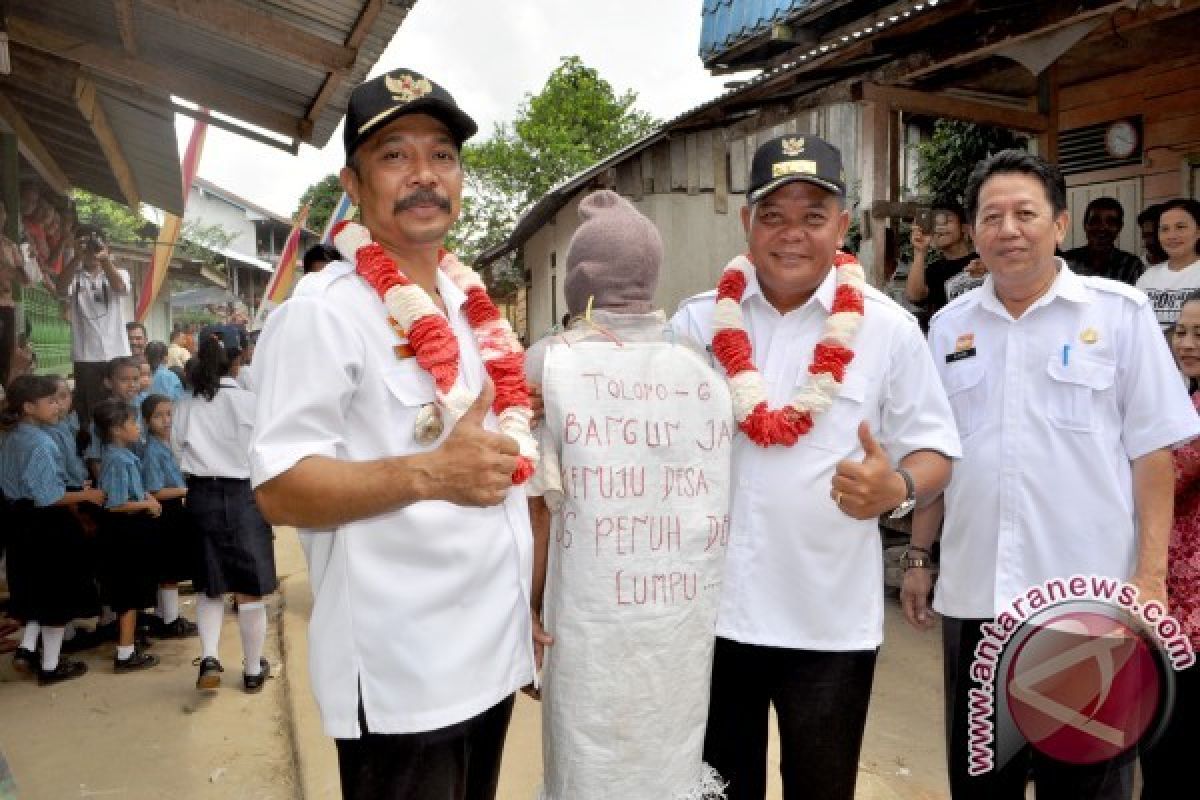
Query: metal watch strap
point(910, 497)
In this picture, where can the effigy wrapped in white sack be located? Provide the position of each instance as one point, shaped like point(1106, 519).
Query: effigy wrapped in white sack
point(638, 445)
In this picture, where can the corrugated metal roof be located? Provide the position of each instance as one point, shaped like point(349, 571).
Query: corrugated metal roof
point(291, 73)
point(729, 22)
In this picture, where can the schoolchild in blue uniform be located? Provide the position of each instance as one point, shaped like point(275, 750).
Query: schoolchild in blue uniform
point(124, 384)
point(128, 579)
point(175, 537)
point(49, 583)
point(65, 433)
point(162, 381)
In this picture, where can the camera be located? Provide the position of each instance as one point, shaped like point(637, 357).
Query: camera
point(94, 244)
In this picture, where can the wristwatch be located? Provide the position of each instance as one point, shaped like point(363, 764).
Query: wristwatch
point(910, 500)
point(910, 561)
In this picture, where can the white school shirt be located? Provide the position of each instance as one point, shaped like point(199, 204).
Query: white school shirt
point(212, 437)
point(97, 315)
point(799, 573)
point(1044, 489)
point(426, 607)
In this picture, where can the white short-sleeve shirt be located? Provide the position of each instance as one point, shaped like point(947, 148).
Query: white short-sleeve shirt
point(97, 315)
point(212, 437)
point(800, 573)
point(425, 608)
point(1052, 408)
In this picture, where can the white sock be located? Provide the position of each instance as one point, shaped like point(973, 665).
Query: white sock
point(210, 611)
point(106, 615)
point(29, 640)
point(124, 651)
point(252, 621)
point(52, 639)
point(168, 604)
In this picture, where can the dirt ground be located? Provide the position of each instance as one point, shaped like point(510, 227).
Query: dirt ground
point(151, 735)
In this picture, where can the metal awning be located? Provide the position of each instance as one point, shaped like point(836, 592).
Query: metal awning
point(91, 91)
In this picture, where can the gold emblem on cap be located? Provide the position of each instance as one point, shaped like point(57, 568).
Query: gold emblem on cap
point(405, 88)
point(801, 167)
point(793, 146)
point(1089, 336)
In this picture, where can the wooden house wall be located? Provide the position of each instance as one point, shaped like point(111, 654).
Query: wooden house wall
point(692, 187)
point(1167, 95)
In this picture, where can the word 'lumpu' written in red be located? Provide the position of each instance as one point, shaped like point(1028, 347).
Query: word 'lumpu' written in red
point(660, 588)
point(609, 431)
point(630, 534)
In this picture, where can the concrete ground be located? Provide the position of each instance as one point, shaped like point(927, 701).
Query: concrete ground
point(151, 735)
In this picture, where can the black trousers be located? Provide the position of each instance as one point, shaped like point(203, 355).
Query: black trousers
point(89, 389)
point(821, 701)
point(1055, 780)
point(1167, 764)
point(460, 762)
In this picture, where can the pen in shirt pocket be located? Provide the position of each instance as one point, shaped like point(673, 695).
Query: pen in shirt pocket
point(1066, 354)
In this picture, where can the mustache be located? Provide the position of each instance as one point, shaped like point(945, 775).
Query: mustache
point(421, 197)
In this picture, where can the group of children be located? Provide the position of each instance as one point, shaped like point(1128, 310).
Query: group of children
point(107, 524)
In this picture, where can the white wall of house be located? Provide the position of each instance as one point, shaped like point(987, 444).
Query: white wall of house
point(209, 209)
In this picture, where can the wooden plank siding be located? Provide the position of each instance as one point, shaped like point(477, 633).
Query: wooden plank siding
point(1167, 95)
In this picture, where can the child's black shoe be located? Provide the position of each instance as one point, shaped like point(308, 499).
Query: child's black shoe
point(26, 661)
point(254, 683)
point(137, 660)
point(210, 673)
point(65, 671)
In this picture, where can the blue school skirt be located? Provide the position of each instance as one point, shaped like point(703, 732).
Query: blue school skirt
point(176, 546)
point(237, 549)
point(128, 576)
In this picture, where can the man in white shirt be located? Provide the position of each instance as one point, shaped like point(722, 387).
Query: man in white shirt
point(94, 288)
point(800, 618)
point(420, 554)
point(1067, 403)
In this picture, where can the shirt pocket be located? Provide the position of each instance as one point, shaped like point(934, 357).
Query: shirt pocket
point(1073, 389)
point(966, 390)
point(409, 384)
point(837, 428)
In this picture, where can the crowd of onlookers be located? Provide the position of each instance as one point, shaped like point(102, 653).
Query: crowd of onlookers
point(1167, 269)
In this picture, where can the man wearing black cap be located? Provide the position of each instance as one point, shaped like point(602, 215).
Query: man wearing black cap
point(840, 420)
point(420, 550)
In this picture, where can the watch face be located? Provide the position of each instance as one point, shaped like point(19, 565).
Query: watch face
point(1121, 140)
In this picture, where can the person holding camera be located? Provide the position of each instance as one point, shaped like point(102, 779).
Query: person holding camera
point(935, 283)
point(93, 288)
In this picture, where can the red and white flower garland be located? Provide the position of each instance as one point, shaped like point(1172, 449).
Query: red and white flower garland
point(434, 345)
point(731, 345)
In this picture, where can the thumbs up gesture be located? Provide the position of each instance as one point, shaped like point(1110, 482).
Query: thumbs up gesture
point(865, 489)
point(474, 466)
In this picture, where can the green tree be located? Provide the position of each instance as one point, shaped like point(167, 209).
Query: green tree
point(321, 198)
point(948, 156)
point(575, 120)
point(120, 223)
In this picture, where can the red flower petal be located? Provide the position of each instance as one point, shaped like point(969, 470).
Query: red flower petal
point(436, 349)
point(479, 307)
point(732, 348)
point(847, 298)
point(831, 358)
point(731, 285)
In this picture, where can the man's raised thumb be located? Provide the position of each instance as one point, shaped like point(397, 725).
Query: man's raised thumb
point(483, 402)
point(871, 448)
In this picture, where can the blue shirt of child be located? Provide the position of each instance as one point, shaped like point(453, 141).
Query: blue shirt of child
point(96, 447)
point(159, 470)
point(166, 383)
point(73, 466)
point(121, 477)
point(30, 468)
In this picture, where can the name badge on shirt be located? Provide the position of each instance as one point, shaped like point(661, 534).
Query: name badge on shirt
point(959, 355)
point(964, 347)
